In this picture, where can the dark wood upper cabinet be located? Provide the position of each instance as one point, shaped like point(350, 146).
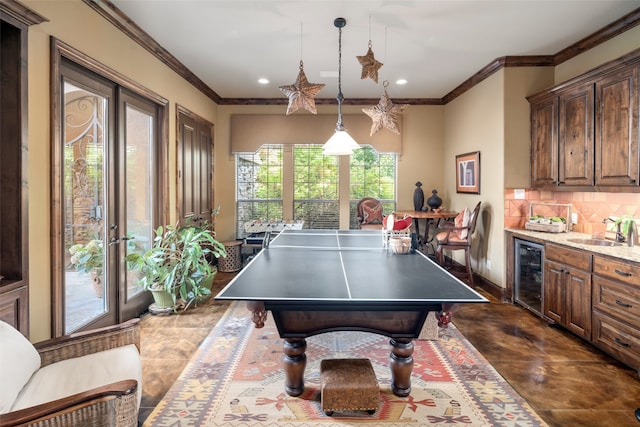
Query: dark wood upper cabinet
point(544, 142)
point(584, 132)
point(617, 135)
point(575, 145)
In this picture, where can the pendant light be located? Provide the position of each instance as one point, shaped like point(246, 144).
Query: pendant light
point(341, 143)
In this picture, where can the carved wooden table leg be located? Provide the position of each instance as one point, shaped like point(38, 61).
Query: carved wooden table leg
point(401, 363)
point(294, 360)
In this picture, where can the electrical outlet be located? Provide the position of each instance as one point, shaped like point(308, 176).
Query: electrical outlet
point(574, 218)
point(488, 265)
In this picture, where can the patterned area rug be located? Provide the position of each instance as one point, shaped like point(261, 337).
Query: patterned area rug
point(235, 378)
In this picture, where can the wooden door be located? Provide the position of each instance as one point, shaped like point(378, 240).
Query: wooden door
point(544, 142)
point(575, 142)
point(554, 299)
point(617, 135)
point(578, 299)
point(195, 169)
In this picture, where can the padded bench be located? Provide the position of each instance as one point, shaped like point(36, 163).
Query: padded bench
point(348, 385)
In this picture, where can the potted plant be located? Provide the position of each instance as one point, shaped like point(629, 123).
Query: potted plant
point(177, 264)
point(89, 258)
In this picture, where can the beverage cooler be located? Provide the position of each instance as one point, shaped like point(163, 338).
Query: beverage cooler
point(529, 275)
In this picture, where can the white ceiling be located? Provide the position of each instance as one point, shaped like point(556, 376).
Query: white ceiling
point(435, 45)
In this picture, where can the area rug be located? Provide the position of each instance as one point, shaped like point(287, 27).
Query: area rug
point(235, 378)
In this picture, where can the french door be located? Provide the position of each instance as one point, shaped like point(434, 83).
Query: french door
point(105, 167)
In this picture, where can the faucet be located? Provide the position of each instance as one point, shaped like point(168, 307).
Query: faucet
point(619, 236)
point(632, 233)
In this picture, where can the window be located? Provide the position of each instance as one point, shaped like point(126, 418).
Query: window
point(315, 188)
point(259, 185)
point(372, 175)
point(313, 193)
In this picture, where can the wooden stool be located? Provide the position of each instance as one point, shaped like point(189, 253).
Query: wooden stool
point(348, 385)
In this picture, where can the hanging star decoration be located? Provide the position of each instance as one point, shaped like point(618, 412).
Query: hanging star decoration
point(386, 114)
point(370, 65)
point(302, 93)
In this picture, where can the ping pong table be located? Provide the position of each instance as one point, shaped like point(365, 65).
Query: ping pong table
point(319, 281)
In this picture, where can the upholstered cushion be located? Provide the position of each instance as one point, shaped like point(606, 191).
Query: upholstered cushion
point(18, 361)
point(348, 385)
point(371, 214)
point(80, 374)
point(462, 220)
point(453, 238)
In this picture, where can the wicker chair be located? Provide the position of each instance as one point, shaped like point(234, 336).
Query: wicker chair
point(111, 404)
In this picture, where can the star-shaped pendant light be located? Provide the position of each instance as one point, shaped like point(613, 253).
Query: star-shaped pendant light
point(370, 65)
point(386, 114)
point(302, 93)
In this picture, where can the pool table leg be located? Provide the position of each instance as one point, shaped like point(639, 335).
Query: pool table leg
point(294, 360)
point(401, 363)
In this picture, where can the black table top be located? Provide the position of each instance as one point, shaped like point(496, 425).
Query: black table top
point(344, 268)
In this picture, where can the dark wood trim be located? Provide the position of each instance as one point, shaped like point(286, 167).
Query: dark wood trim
point(20, 13)
point(124, 23)
point(14, 161)
point(618, 27)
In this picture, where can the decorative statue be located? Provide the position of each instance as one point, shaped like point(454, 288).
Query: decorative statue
point(434, 201)
point(418, 197)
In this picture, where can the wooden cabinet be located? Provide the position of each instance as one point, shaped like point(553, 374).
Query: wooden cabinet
point(567, 288)
point(616, 308)
point(584, 132)
point(544, 142)
point(617, 128)
point(575, 136)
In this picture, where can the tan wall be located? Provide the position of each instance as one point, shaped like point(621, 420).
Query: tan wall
point(77, 25)
point(610, 50)
point(475, 122)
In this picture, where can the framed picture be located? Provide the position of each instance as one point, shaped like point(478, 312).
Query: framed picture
point(468, 173)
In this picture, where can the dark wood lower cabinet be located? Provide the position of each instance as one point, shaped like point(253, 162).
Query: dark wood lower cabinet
point(567, 296)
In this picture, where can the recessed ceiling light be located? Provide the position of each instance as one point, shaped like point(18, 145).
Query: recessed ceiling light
point(401, 82)
point(263, 81)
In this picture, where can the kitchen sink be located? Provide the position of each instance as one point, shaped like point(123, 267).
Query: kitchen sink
point(595, 242)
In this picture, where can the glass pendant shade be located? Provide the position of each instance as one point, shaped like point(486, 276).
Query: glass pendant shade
point(340, 143)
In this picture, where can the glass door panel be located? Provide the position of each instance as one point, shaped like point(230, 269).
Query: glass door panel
point(84, 135)
point(139, 135)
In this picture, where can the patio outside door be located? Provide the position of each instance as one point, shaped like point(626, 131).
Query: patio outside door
point(107, 199)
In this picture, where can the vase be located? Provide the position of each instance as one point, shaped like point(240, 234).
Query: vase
point(163, 300)
point(96, 281)
point(434, 201)
point(418, 197)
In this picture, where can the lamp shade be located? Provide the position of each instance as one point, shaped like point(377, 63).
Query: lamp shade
point(340, 143)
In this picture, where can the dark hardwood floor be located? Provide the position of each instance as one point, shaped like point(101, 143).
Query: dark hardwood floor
point(567, 381)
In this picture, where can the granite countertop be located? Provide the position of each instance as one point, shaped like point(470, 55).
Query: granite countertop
point(624, 252)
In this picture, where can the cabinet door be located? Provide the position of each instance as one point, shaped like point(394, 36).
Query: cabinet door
point(575, 136)
point(578, 299)
point(544, 142)
point(554, 300)
point(617, 134)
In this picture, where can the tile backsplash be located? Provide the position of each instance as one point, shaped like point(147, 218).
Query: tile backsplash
point(591, 208)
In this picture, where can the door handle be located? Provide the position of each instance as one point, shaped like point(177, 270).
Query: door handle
point(113, 241)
